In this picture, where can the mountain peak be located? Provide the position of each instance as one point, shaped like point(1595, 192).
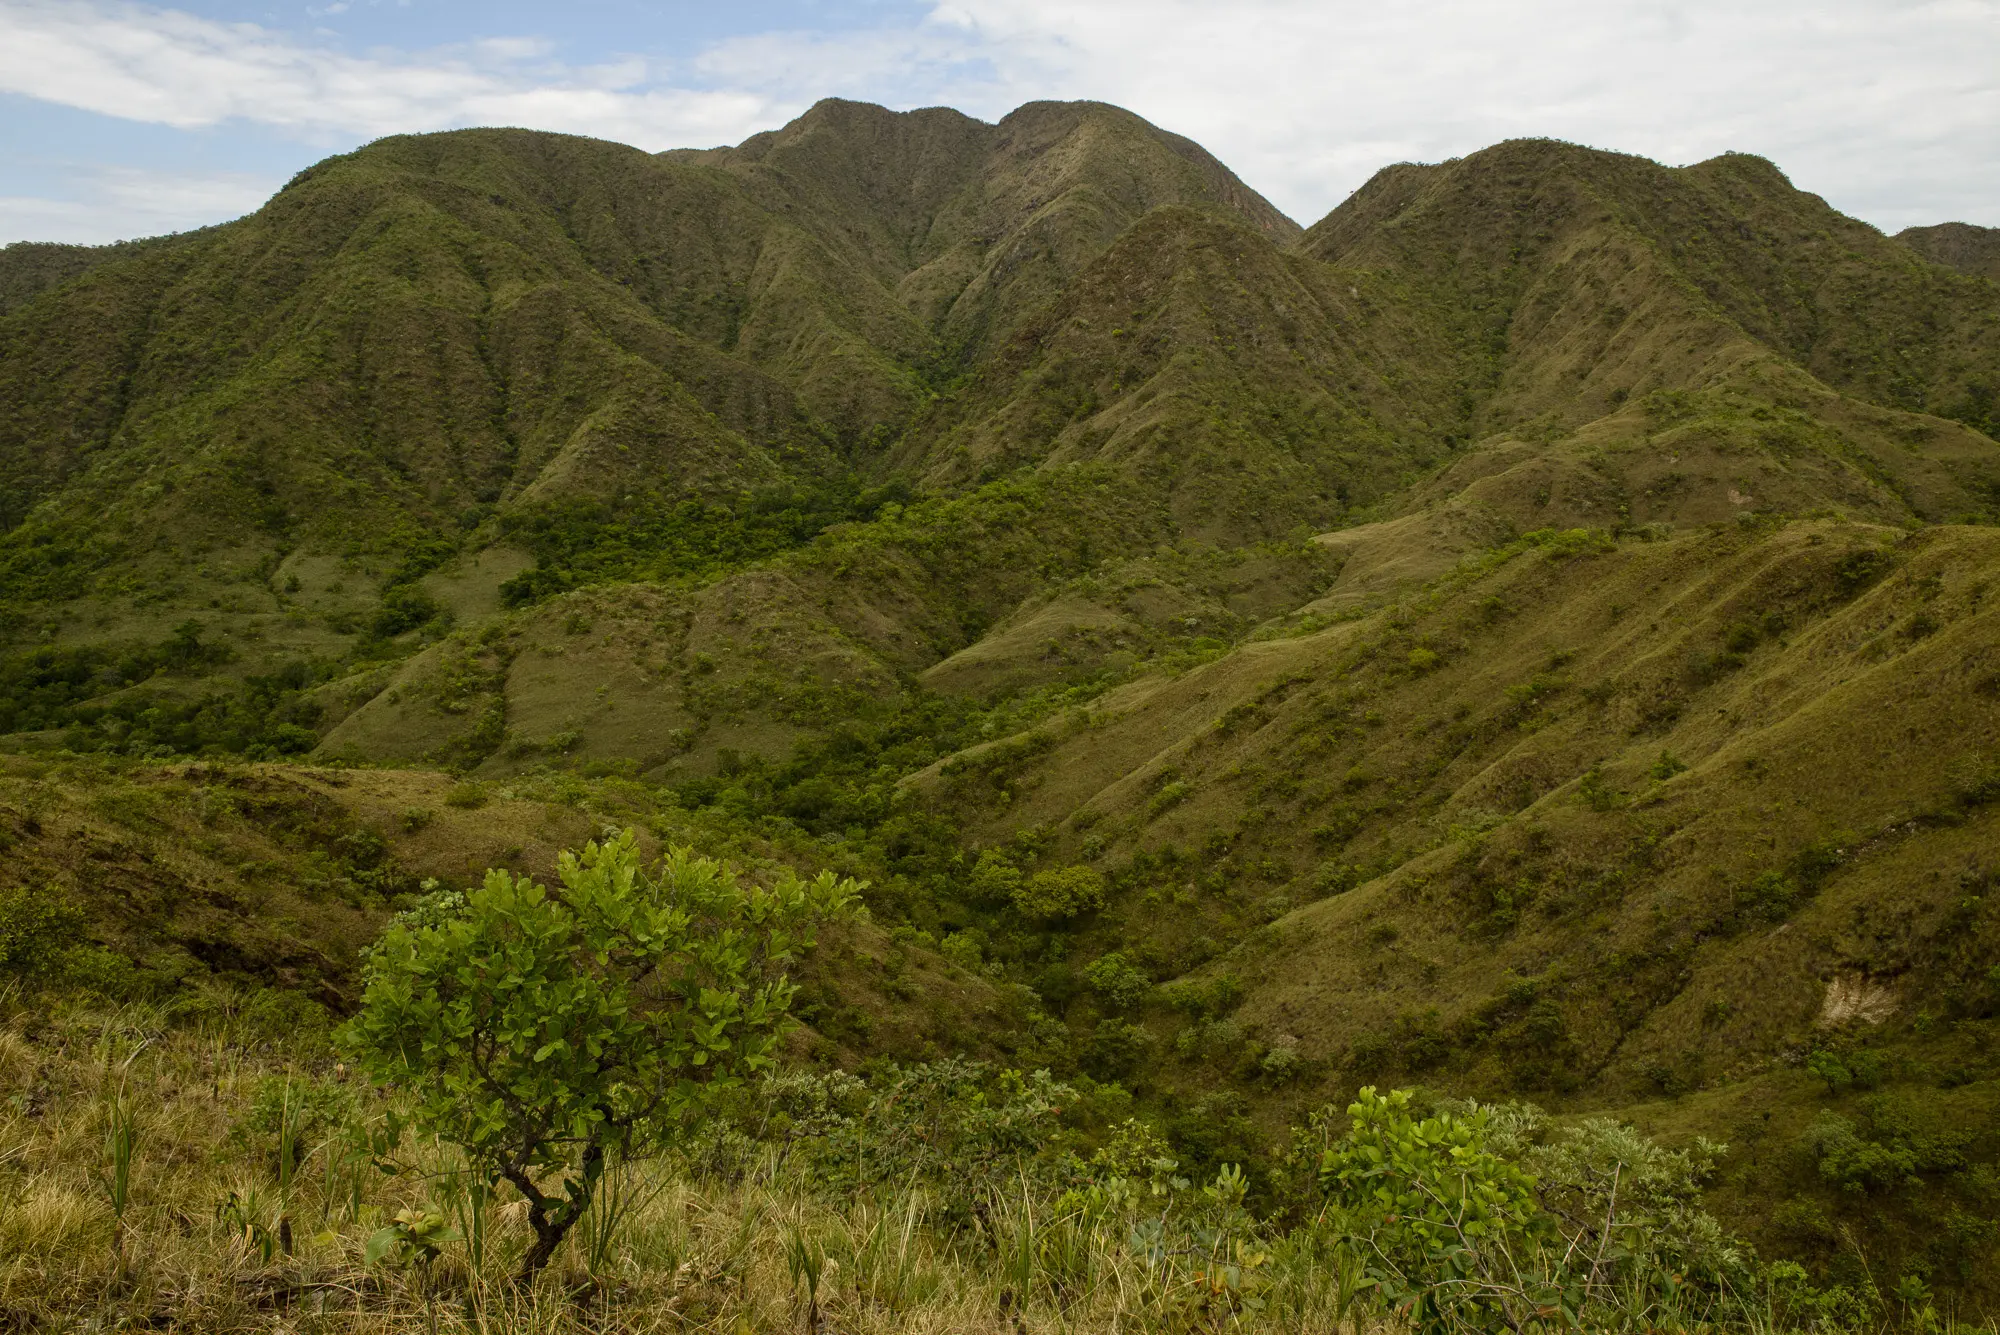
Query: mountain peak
point(1962, 246)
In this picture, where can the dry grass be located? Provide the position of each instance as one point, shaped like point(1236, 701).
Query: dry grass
point(202, 1248)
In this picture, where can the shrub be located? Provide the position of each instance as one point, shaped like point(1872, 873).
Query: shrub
point(995, 878)
point(965, 949)
point(1476, 1218)
point(1854, 1162)
point(42, 943)
point(1113, 978)
point(34, 925)
point(964, 1128)
point(1060, 893)
point(1440, 1211)
point(1115, 1048)
point(554, 1034)
point(1281, 1064)
point(1839, 1070)
point(404, 608)
point(466, 796)
point(1170, 795)
point(1334, 878)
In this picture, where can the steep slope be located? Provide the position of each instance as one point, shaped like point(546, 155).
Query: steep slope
point(272, 421)
point(1255, 390)
point(1531, 632)
point(254, 886)
point(1554, 258)
point(974, 225)
point(1598, 821)
point(1564, 335)
point(1151, 397)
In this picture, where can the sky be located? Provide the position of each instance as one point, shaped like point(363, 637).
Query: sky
point(132, 119)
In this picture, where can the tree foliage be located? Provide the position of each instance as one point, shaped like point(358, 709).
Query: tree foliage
point(1059, 893)
point(547, 1032)
point(1478, 1218)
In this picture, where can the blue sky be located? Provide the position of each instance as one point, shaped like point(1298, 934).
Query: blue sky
point(129, 119)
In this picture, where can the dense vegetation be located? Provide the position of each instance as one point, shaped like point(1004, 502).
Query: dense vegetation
point(98, 696)
point(579, 542)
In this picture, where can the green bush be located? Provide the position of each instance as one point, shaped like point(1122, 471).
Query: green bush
point(550, 1035)
point(1060, 893)
point(404, 608)
point(1853, 1161)
point(1477, 1218)
point(967, 1130)
point(995, 879)
point(965, 949)
point(99, 695)
point(1443, 1215)
point(466, 796)
point(42, 943)
point(580, 542)
point(1113, 978)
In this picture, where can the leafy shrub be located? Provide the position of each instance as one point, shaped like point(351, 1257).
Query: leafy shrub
point(1200, 997)
point(1281, 1064)
point(966, 1129)
point(550, 1035)
point(1334, 878)
point(965, 949)
point(1112, 977)
point(1060, 893)
point(1115, 1048)
point(1857, 569)
point(1596, 793)
point(466, 796)
point(1854, 1162)
point(1840, 1070)
point(265, 716)
point(1170, 795)
point(995, 879)
point(580, 542)
point(42, 943)
point(1475, 1218)
point(1440, 1211)
point(404, 608)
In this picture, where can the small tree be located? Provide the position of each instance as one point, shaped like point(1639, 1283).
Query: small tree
point(548, 1032)
point(1442, 1219)
point(1060, 893)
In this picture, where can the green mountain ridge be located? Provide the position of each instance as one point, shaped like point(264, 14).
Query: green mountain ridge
point(1528, 632)
point(1961, 246)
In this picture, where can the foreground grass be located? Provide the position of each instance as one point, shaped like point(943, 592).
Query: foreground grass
point(217, 1169)
point(217, 1233)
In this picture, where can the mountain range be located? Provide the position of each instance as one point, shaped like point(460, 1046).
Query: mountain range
point(1532, 630)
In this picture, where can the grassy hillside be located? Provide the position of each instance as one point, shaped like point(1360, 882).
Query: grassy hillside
point(1604, 820)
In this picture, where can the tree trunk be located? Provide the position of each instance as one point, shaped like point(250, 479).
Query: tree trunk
point(549, 1234)
point(552, 1226)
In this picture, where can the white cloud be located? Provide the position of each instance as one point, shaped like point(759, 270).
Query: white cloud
point(118, 203)
point(1891, 108)
point(173, 68)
